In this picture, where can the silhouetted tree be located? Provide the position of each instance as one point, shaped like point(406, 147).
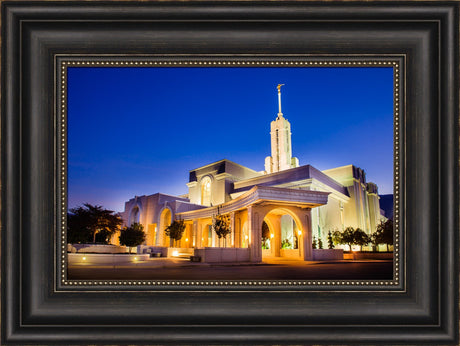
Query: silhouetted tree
point(330, 243)
point(133, 235)
point(313, 244)
point(360, 238)
point(350, 237)
point(89, 222)
point(383, 234)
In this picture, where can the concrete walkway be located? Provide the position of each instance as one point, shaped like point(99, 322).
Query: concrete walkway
point(269, 269)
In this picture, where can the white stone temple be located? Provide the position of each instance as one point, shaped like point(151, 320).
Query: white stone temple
point(296, 202)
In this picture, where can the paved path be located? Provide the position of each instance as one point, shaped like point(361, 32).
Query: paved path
point(270, 269)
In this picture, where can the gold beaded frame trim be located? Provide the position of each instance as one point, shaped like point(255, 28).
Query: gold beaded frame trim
point(397, 62)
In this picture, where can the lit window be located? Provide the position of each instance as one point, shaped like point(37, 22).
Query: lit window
point(206, 191)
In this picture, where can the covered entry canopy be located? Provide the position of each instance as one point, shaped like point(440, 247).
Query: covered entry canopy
point(247, 213)
point(262, 196)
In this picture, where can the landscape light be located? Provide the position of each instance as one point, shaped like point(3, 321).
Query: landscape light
point(135, 258)
point(175, 253)
point(84, 258)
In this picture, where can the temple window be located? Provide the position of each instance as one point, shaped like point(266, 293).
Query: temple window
point(206, 191)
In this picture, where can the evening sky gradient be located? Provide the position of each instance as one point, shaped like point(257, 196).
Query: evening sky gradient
point(138, 131)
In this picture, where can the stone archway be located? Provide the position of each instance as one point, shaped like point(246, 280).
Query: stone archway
point(272, 214)
point(285, 234)
point(134, 215)
point(165, 221)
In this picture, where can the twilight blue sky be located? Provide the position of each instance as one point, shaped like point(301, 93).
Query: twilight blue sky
point(138, 131)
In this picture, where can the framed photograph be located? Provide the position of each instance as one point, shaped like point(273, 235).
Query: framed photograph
point(234, 222)
point(261, 173)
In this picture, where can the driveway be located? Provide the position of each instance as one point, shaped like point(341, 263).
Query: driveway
point(269, 269)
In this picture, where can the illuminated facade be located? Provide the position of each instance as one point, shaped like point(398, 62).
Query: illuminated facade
point(274, 213)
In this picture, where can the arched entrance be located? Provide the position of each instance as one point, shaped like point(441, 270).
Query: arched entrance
point(281, 234)
point(165, 221)
point(135, 215)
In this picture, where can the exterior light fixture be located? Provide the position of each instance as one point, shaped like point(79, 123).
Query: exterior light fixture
point(299, 232)
point(246, 237)
point(272, 235)
point(135, 258)
point(175, 253)
point(84, 258)
point(186, 239)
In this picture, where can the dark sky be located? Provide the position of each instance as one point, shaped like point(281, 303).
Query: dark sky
point(138, 131)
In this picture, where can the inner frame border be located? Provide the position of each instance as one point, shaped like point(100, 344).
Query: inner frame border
point(62, 62)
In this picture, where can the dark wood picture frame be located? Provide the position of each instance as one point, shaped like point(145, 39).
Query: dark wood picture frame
point(421, 308)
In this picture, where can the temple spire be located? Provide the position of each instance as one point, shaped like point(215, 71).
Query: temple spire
point(280, 137)
point(279, 99)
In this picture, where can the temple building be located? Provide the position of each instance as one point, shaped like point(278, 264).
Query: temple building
point(275, 213)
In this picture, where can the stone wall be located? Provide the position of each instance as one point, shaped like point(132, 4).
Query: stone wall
point(327, 254)
point(96, 248)
point(216, 254)
point(107, 259)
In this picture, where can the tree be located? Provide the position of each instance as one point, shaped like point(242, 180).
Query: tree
point(175, 231)
point(133, 235)
point(383, 234)
point(313, 244)
point(337, 237)
point(350, 237)
point(221, 225)
point(89, 223)
point(360, 238)
point(330, 243)
point(265, 235)
point(320, 243)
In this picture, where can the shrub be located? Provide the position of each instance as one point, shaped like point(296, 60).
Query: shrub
point(285, 244)
point(175, 231)
point(133, 235)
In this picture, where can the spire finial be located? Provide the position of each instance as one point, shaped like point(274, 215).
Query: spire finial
point(279, 99)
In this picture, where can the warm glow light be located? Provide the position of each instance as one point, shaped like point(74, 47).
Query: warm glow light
point(186, 239)
point(135, 258)
point(272, 235)
point(175, 253)
point(84, 258)
point(246, 237)
point(299, 232)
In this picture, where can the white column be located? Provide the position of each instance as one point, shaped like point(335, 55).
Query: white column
point(306, 240)
point(255, 235)
point(197, 234)
point(232, 227)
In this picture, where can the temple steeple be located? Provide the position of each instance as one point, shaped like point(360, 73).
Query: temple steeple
point(281, 150)
point(279, 100)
